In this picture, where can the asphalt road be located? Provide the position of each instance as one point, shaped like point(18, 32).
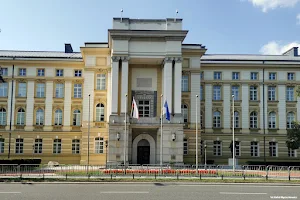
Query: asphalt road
point(149, 191)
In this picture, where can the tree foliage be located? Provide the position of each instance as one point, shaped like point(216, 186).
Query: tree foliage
point(293, 136)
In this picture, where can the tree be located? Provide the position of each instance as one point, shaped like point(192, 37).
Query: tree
point(293, 136)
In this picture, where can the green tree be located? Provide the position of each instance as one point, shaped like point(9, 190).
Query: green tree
point(293, 136)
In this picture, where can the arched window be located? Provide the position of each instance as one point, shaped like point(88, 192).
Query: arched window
point(184, 111)
point(76, 118)
point(253, 119)
point(58, 117)
point(272, 120)
point(39, 117)
point(21, 117)
point(236, 119)
point(2, 116)
point(100, 112)
point(99, 145)
point(217, 119)
point(290, 118)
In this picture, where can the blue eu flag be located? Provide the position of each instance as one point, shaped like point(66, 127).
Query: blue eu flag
point(166, 110)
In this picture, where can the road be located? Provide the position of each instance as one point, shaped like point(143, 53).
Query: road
point(149, 191)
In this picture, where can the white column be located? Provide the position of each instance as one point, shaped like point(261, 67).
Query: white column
point(48, 106)
point(177, 85)
point(208, 106)
point(114, 84)
point(245, 107)
point(195, 90)
point(168, 82)
point(124, 85)
point(67, 106)
point(9, 105)
point(29, 106)
point(226, 106)
point(108, 106)
point(261, 107)
point(281, 107)
point(88, 88)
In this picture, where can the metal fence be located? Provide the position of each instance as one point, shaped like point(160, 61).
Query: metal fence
point(149, 172)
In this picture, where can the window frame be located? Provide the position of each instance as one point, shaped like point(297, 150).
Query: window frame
point(76, 146)
point(217, 93)
point(235, 75)
point(217, 75)
point(271, 93)
point(99, 145)
point(100, 112)
point(40, 90)
point(291, 76)
point(273, 147)
point(290, 93)
point(57, 146)
point(254, 149)
point(19, 146)
point(77, 73)
point(22, 72)
point(59, 89)
point(77, 90)
point(40, 72)
point(101, 82)
point(272, 76)
point(38, 146)
point(39, 117)
point(253, 76)
point(185, 146)
point(185, 83)
point(217, 148)
point(59, 72)
point(4, 89)
point(217, 123)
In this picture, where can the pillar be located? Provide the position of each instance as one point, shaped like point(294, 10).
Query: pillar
point(114, 84)
point(48, 106)
point(167, 82)
point(177, 85)
point(29, 106)
point(124, 85)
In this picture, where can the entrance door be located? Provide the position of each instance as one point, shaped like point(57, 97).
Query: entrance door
point(143, 155)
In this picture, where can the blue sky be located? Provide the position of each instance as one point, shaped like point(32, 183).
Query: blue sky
point(223, 26)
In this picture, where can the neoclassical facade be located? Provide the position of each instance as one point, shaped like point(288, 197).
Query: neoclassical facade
point(58, 105)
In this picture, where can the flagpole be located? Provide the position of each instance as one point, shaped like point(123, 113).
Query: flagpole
point(125, 134)
point(161, 131)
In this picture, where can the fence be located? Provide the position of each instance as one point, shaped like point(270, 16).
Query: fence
point(149, 171)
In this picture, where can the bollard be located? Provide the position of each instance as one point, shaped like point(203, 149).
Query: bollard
point(289, 170)
point(110, 176)
point(132, 176)
point(66, 176)
point(155, 176)
point(200, 176)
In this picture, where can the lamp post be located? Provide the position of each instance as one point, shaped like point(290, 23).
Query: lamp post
point(88, 151)
point(106, 144)
point(233, 142)
point(197, 134)
point(205, 155)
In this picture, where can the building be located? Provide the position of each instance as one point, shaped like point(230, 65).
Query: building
point(52, 102)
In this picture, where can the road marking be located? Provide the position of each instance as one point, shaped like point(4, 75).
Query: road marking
point(209, 185)
point(125, 192)
point(241, 193)
point(10, 192)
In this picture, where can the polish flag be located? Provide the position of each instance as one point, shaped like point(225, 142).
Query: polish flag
point(134, 110)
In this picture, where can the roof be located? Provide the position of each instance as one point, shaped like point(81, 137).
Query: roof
point(39, 54)
point(248, 57)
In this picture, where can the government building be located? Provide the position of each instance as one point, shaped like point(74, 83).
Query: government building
point(75, 107)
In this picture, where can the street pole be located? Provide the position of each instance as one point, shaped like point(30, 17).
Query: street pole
point(88, 152)
point(264, 122)
point(161, 131)
point(205, 155)
point(106, 144)
point(125, 134)
point(233, 142)
point(196, 134)
point(11, 109)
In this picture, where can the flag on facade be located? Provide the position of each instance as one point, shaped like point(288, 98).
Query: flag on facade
point(166, 110)
point(134, 109)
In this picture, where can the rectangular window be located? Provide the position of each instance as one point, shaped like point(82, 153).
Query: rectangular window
point(22, 89)
point(272, 76)
point(217, 93)
point(59, 72)
point(254, 149)
point(40, 90)
point(236, 120)
point(201, 93)
point(237, 148)
point(273, 149)
point(144, 108)
point(290, 94)
point(4, 72)
point(57, 146)
point(253, 93)
point(19, 145)
point(292, 153)
point(22, 72)
point(101, 82)
point(217, 148)
point(185, 83)
point(235, 92)
point(41, 72)
point(217, 75)
point(185, 146)
point(59, 90)
point(254, 76)
point(77, 90)
point(271, 93)
point(38, 146)
point(291, 76)
point(3, 89)
point(75, 146)
point(1, 145)
point(99, 145)
point(235, 75)
point(78, 73)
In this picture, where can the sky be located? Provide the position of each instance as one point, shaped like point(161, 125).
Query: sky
point(223, 26)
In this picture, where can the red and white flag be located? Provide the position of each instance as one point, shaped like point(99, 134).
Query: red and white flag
point(134, 109)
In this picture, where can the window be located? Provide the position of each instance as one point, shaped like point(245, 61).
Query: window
point(272, 93)
point(1, 145)
point(21, 117)
point(76, 118)
point(19, 145)
point(254, 76)
point(291, 76)
point(3, 89)
point(253, 120)
point(217, 93)
point(201, 120)
point(273, 149)
point(59, 72)
point(39, 117)
point(75, 146)
point(57, 146)
point(185, 146)
point(184, 111)
point(101, 82)
point(235, 75)
point(272, 76)
point(100, 112)
point(217, 75)
point(77, 90)
point(77, 73)
point(38, 146)
point(254, 149)
point(58, 117)
point(4, 72)
point(144, 108)
point(59, 90)
point(253, 93)
point(290, 94)
point(185, 83)
point(2, 116)
point(235, 92)
point(201, 76)
point(292, 153)
point(290, 118)
point(40, 90)
point(237, 148)
point(217, 148)
point(217, 119)
point(99, 145)
point(41, 72)
point(201, 147)
point(22, 89)
point(272, 120)
point(22, 72)
point(236, 119)
point(201, 93)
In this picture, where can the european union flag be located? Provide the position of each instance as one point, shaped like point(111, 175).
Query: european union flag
point(166, 111)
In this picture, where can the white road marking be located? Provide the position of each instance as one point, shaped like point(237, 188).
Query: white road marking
point(10, 192)
point(120, 192)
point(241, 193)
point(257, 186)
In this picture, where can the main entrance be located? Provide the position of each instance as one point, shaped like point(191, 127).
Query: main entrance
point(143, 152)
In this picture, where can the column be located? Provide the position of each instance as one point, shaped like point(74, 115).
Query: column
point(108, 106)
point(168, 82)
point(48, 106)
point(177, 85)
point(245, 108)
point(67, 106)
point(195, 90)
point(208, 106)
point(88, 89)
point(10, 85)
point(29, 106)
point(281, 107)
point(114, 84)
point(124, 85)
point(227, 107)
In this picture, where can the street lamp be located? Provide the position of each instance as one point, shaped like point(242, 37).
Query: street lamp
point(205, 146)
point(106, 144)
point(197, 134)
point(233, 142)
point(88, 151)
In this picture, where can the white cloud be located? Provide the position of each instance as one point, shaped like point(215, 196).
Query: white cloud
point(298, 18)
point(277, 48)
point(266, 5)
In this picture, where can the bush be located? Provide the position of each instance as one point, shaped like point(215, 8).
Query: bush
point(21, 162)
